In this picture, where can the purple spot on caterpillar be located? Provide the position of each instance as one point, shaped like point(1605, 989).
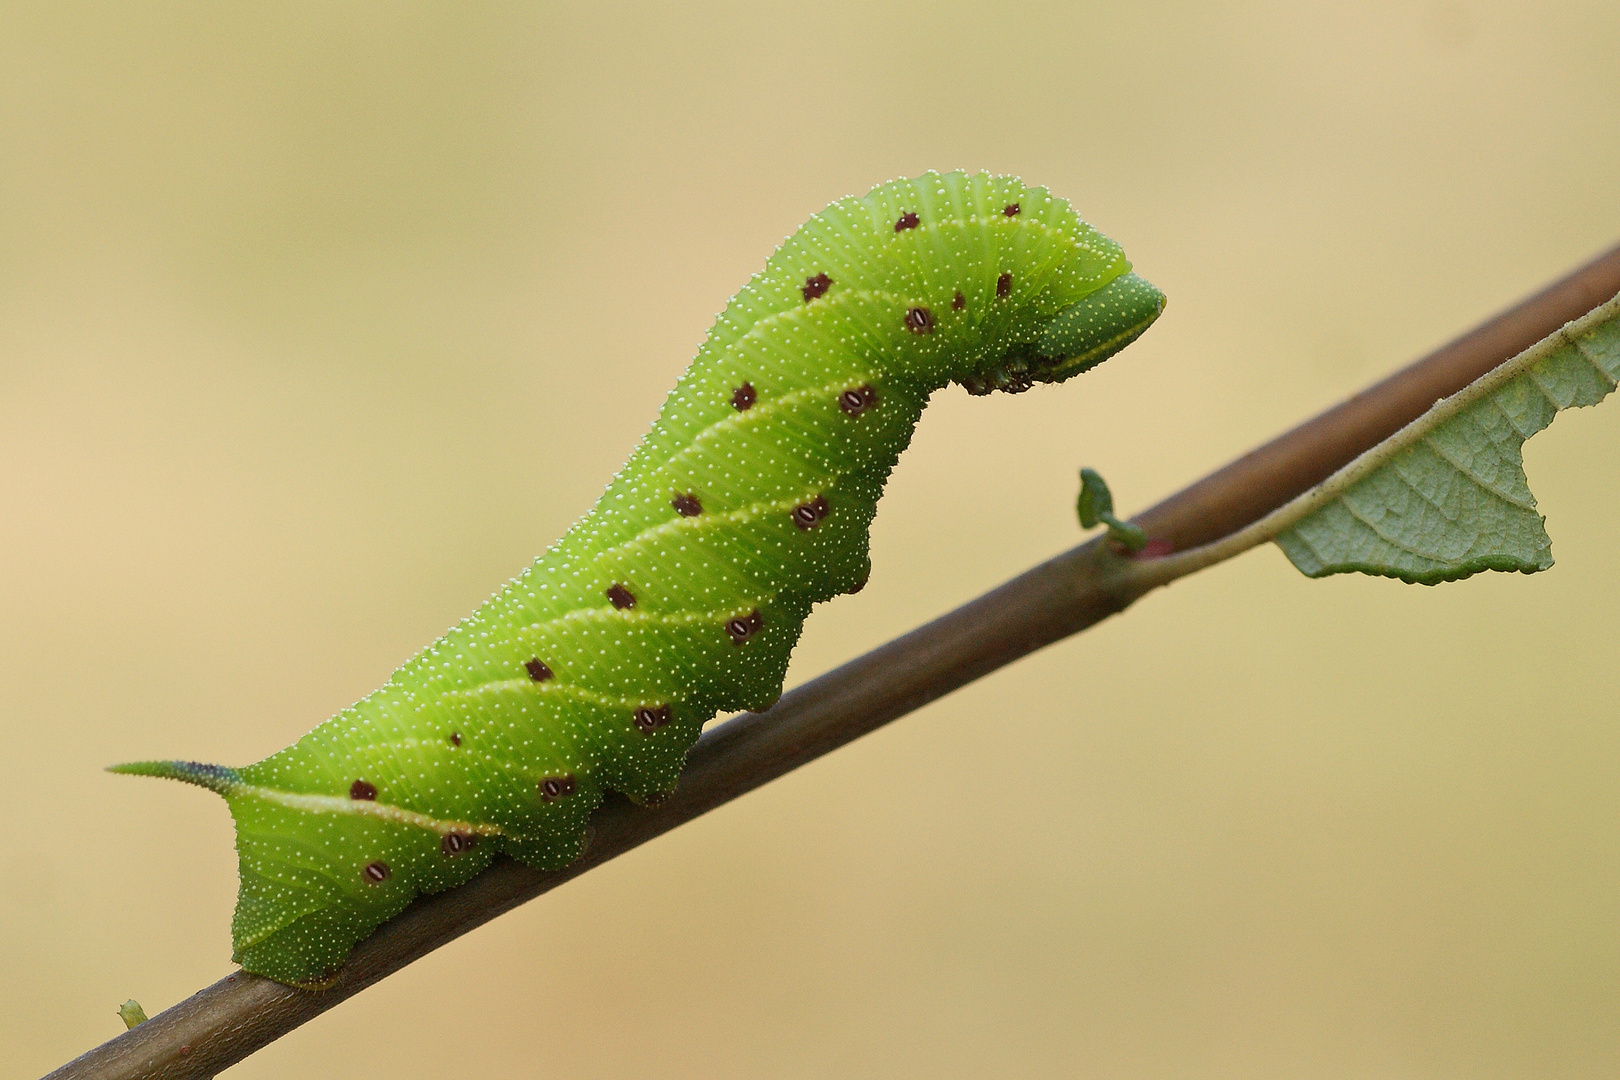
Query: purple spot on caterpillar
point(857, 399)
point(908, 220)
point(686, 504)
point(377, 871)
point(742, 398)
point(557, 787)
point(538, 671)
point(859, 585)
point(816, 286)
point(650, 718)
point(807, 514)
point(1003, 286)
point(362, 790)
point(455, 843)
point(919, 320)
point(620, 597)
point(455, 738)
point(745, 626)
point(185, 1049)
point(958, 302)
point(1011, 210)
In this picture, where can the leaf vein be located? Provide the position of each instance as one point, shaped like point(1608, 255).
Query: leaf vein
point(1480, 482)
point(1586, 354)
point(1382, 535)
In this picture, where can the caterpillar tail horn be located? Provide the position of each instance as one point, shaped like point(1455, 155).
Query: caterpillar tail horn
point(216, 778)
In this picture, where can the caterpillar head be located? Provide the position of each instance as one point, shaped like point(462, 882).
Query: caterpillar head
point(1076, 339)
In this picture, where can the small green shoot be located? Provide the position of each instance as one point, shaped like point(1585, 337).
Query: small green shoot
point(131, 1013)
point(1096, 507)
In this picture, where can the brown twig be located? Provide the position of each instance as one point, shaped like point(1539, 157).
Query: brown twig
point(241, 1013)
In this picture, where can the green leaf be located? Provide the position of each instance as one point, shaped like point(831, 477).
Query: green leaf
point(1095, 500)
point(1096, 507)
point(1446, 497)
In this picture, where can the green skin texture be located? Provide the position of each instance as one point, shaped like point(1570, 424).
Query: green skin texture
point(415, 788)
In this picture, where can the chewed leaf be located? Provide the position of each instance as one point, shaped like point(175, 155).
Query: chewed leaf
point(1446, 497)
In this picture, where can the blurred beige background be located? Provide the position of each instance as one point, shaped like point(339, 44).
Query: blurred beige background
point(318, 321)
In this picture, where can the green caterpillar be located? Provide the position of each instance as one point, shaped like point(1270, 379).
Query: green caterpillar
point(683, 591)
